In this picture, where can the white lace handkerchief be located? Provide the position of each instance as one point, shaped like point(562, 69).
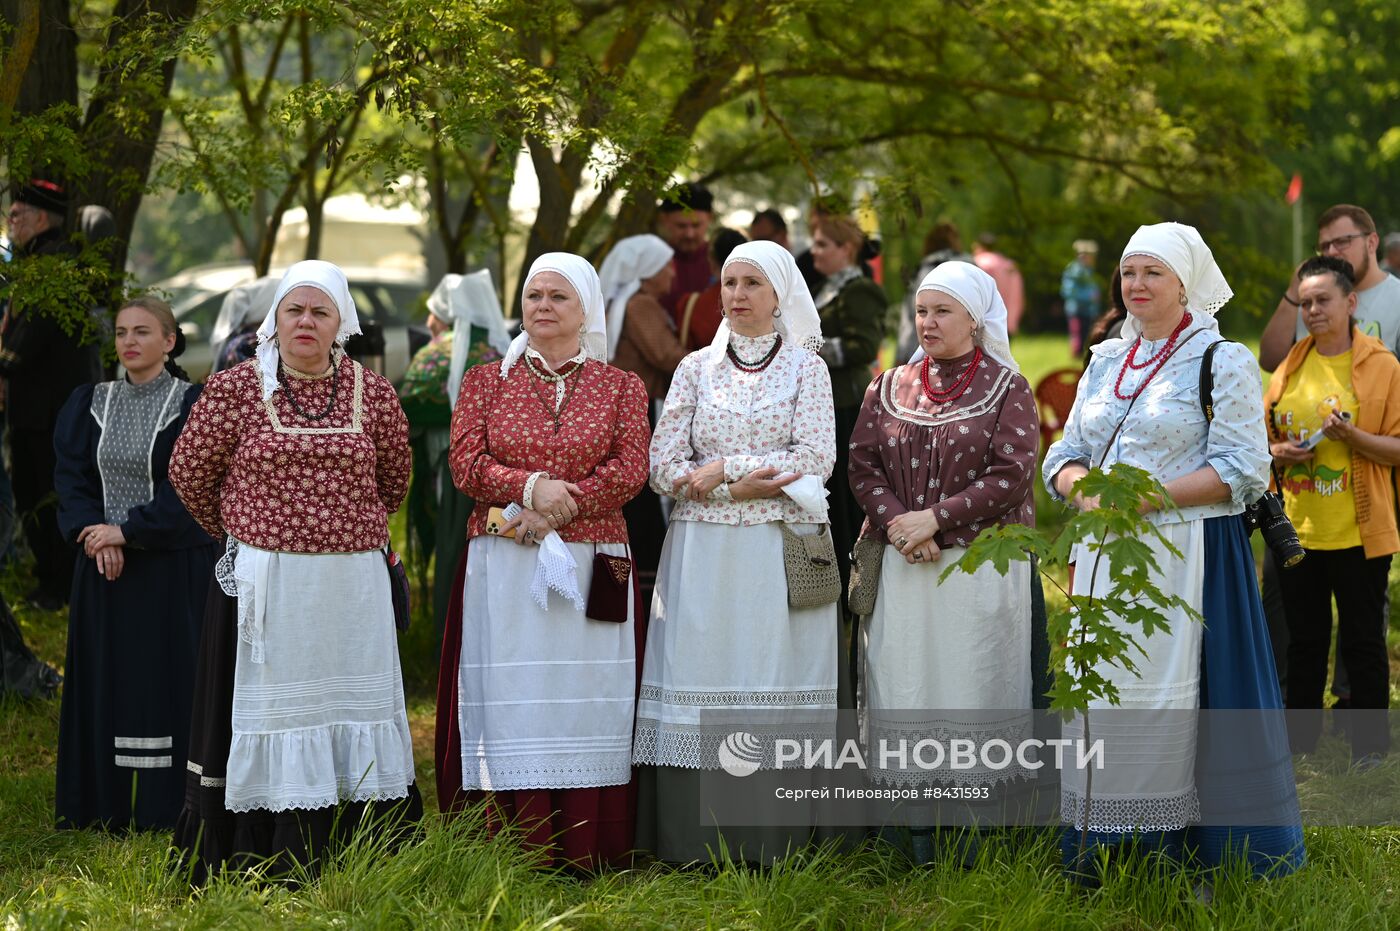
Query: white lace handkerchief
point(556, 569)
point(808, 491)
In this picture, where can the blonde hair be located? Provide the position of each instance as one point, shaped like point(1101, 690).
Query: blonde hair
point(842, 230)
point(156, 308)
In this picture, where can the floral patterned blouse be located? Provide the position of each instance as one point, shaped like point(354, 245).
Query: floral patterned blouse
point(973, 458)
point(269, 477)
point(780, 417)
point(423, 392)
point(504, 430)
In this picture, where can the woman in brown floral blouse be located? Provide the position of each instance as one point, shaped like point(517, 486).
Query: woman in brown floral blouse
point(537, 687)
point(298, 456)
point(944, 449)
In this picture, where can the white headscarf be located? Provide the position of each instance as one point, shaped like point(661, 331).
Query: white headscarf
point(466, 301)
point(241, 305)
point(977, 292)
point(330, 281)
point(631, 260)
point(796, 317)
point(580, 274)
point(1181, 248)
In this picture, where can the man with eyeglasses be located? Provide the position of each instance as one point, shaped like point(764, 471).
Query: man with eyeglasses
point(1346, 232)
point(41, 365)
point(1349, 233)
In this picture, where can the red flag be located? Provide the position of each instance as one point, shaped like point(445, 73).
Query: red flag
point(1295, 189)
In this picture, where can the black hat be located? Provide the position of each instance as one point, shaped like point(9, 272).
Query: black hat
point(688, 196)
point(44, 194)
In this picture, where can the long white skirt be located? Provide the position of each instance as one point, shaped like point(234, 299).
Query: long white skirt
point(947, 660)
point(724, 651)
point(545, 698)
point(319, 717)
point(1148, 779)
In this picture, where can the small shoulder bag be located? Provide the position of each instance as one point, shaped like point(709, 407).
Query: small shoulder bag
point(809, 561)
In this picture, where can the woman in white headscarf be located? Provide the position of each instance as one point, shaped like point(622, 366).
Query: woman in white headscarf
point(744, 444)
point(537, 686)
point(944, 448)
point(234, 337)
point(1140, 404)
point(464, 316)
point(297, 457)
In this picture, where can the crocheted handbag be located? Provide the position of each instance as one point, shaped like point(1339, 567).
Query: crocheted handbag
point(866, 558)
point(810, 563)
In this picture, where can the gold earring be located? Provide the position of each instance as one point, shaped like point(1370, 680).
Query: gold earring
point(1182, 300)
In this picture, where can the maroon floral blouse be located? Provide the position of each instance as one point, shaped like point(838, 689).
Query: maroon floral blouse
point(503, 431)
point(972, 459)
point(274, 479)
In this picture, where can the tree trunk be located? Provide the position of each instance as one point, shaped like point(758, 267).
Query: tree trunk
point(23, 16)
point(124, 147)
point(52, 74)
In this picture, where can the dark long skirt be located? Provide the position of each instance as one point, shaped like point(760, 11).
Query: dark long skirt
point(584, 828)
point(125, 724)
point(1237, 672)
point(843, 510)
point(211, 838)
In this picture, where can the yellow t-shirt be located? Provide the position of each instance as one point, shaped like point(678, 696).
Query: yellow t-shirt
point(1318, 494)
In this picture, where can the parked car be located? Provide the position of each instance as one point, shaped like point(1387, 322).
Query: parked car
point(383, 296)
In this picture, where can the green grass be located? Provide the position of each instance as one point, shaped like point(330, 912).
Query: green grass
point(453, 877)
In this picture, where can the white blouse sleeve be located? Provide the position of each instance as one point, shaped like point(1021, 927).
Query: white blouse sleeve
point(1072, 446)
point(1237, 442)
point(672, 456)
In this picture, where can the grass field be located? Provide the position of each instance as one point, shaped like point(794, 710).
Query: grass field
point(454, 878)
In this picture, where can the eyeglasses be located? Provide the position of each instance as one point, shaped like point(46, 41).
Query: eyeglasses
point(19, 212)
point(1340, 243)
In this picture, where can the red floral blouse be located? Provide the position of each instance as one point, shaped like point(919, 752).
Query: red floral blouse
point(503, 431)
point(272, 478)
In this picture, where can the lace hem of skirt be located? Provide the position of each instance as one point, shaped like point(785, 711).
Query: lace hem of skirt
point(319, 766)
point(700, 746)
point(546, 771)
point(325, 799)
point(1130, 815)
point(929, 750)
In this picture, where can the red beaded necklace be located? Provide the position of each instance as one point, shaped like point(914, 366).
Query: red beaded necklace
point(1159, 357)
point(959, 387)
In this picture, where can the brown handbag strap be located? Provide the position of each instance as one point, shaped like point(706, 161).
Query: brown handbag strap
point(1114, 435)
point(685, 317)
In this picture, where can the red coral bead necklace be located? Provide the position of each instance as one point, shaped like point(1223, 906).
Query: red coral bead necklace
point(959, 387)
point(1159, 357)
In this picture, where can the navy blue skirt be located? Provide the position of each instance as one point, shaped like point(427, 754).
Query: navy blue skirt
point(1237, 672)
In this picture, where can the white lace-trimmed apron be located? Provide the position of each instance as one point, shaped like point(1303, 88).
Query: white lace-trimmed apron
point(726, 653)
point(318, 702)
point(545, 697)
point(947, 660)
point(1148, 780)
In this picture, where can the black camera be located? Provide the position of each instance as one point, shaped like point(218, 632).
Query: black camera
point(1266, 516)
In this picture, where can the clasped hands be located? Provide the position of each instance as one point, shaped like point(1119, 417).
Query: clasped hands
point(554, 507)
point(104, 543)
point(760, 483)
point(912, 534)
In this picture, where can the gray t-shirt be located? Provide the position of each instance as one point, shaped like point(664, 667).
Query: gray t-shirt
point(1377, 314)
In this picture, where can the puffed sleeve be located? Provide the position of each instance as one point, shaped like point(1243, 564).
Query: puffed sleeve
point(621, 474)
point(671, 453)
point(812, 450)
point(75, 476)
point(866, 471)
point(474, 470)
point(1071, 446)
point(163, 523)
point(204, 452)
point(1005, 482)
point(1237, 443)
point(393, 460)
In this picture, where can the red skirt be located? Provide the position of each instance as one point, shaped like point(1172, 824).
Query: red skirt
point(583, 828)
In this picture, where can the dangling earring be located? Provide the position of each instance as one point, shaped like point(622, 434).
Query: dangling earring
point(777, 312)
point(1182, 300)
point(165, 357)
point(723, 312)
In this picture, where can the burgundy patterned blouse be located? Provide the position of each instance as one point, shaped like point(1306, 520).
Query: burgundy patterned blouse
point(973, 459)
point(503, 431)
point(276, 480)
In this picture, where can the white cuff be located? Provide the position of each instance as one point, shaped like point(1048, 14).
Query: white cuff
point(527, 497)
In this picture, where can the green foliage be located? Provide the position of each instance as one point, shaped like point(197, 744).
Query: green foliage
point(1091, 633)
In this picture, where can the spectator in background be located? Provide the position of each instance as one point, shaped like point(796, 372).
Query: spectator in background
point(699, 314)
point(41, 364)
point(1392, 254)
point(828, 205)
point(1080, 290)
point(684, 222)
point(234, 338)
point(769, 225)
point(1007, 276)
point(942, 244)
point(852, 310)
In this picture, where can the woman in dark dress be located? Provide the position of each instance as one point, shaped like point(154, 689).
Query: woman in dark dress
point(138, 586)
